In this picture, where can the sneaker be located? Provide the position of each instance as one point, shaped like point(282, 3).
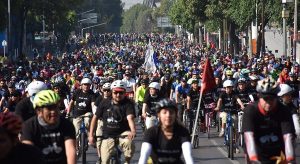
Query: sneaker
point(221, 133)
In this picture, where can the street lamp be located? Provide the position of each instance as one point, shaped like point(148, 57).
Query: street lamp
point(285, 15)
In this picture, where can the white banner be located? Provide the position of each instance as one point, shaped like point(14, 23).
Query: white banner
point(149, 64)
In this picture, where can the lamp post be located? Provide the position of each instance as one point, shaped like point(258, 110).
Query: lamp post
point(285, 15)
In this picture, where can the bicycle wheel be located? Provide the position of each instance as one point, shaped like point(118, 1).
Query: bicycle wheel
point(83, 146)
point(231, 142)
point(208, 125)
point(196, 141)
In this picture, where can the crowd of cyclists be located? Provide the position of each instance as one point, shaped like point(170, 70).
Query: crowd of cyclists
point(103, 79)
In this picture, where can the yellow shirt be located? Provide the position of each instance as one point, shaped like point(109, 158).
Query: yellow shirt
point(140, 94)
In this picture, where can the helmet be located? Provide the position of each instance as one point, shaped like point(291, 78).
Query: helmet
point(267, 86)
point(144, 81)
point(241, 80)
point(155, 85)
point(229, 73)
point(291, 74)
point(253, 77)
point(11, 123)
point(165, 103)
point(45, 98)
point(118, 84)
point(86, 81)
point(35, 86)
point(59, 79)
point(106, 86)
point(96, 80)
point(227, 83)
point(284, 89)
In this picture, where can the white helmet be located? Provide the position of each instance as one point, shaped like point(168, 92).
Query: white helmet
point(284, 89)
point(227, 83)
point(86, 81)
point(106, 86)
point(155, 85)
point(118, 84)
point(254, 77)
point(35, 86)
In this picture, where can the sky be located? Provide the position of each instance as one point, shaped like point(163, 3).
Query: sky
point(129, 3)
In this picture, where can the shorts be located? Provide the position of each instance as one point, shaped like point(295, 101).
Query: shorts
point(223, 116)
point(77, 122)
point(99, 132)
point(107, 148)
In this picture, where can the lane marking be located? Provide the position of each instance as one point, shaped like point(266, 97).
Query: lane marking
point(223, 152)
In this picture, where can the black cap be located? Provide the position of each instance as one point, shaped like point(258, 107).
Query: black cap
point(183, 79)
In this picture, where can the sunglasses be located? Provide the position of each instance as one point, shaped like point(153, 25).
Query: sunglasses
point(106, 90)
point(120, 93)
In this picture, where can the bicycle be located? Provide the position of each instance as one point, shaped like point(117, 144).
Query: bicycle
point(197, 131)
point(208, 117)
point(81, 139)
point(116, 157)
point(229, 134)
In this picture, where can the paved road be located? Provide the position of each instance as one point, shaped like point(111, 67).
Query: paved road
point(210, 151)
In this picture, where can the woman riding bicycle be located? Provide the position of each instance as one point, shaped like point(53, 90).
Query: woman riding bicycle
point(168, 140)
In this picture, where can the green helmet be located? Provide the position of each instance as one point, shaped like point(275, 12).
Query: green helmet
point(45, 98)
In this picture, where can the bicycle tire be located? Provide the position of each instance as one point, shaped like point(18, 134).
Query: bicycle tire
point(195, 144)
point(231, 143)
point(83, 147)
point(208, 125)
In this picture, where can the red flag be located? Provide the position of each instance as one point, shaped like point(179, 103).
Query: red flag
point(208, 80)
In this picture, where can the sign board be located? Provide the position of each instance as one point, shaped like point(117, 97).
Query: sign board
point(163, 22)
point(4, 43)
point(89, 18)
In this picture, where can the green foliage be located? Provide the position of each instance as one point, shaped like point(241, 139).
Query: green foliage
point(136, 18)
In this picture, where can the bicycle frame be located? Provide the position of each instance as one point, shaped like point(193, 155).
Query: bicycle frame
point(228, 137)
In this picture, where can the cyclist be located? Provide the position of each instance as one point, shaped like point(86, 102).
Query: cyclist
point(267, 126)
point(181, 93)
point(243, 93)
point(228, 101)
point(117, 115)
point(12, 151)
point(83, 101)
point(25, 107)
point(106, 89)
point(148, 110)
point(52, 134)
point(140, 95)
point(168, 140)
point(286, 95)
point(192, 103)
point(130, 83)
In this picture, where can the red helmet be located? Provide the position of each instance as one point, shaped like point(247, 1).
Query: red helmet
point(11, 123)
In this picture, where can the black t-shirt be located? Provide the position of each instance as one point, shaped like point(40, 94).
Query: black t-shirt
point(98, 100)
point(244, 96)
point(83, 102)
point(194, 95)
point(164, 150)
point(25, 109)
point(229, 101)
point(268, 129)
point(51, 142)
point(151, 104)
point(114, 116)
point(23, 153)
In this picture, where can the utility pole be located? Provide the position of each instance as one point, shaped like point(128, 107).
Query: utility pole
point(295, 30)
point(9, 39)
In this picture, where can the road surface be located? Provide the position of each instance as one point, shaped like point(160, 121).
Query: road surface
point(210, 151)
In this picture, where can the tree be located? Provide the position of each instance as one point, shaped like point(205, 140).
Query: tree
point(135, 18)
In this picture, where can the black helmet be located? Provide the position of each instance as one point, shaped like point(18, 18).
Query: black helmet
point(165, 103)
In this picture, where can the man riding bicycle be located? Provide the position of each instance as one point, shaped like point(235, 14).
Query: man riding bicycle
point(52, 134)
point(83, 101)
point(267, 127)
point(117, 115)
